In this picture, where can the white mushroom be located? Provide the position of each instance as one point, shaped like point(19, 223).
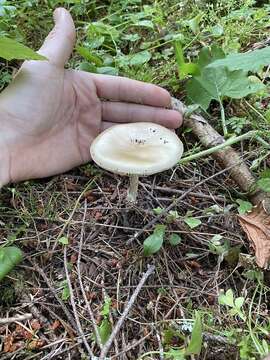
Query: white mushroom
point(136, 149)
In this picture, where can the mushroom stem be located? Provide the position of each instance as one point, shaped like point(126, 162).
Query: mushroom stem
point(133, 188)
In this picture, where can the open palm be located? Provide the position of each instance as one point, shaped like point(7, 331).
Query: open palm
point(50, 115)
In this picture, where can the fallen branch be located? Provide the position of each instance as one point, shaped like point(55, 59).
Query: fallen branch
point(225, 155)
point(257, 223)
point(120, 322)
point(18, 318)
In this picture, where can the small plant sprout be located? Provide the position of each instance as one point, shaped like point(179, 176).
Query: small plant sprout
point(137, 149)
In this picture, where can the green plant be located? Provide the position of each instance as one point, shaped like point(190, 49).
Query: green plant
point(105, 327)
point(10, 256)
point(235, 304)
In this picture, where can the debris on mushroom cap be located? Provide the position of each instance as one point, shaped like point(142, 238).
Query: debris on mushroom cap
point(137, 148)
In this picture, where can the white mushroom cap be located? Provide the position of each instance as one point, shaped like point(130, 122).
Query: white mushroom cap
point(136, 149)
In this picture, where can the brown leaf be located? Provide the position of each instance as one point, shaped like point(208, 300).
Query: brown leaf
point(35, 344)
point(256, 225)
point(56, 324)
point(8, 342)
point(35, 324)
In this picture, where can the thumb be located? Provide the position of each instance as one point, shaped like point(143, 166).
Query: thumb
point(60, 41)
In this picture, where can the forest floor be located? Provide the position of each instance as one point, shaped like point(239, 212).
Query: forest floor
point(82, 255)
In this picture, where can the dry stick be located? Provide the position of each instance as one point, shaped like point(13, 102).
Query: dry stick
point(177, 201)
point(226, 157)
point(60, 301)
point(195, 194)
point(72, 300)
point(15, 318)
point(120, 322)
point(98, 339)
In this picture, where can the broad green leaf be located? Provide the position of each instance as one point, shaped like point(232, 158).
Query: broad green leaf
point(63, 240)
point(87, 55)
point(227, 298)
point(153, 243)
point(244, 206)
point(264, 184)
point(12, 50)
point(105, 330)
point(208, 55)
point(140, 58)
point(217, 83)
point(9, 257)
point(195, 345)
point(192, 222)
point(248, 61)
point(175, 239)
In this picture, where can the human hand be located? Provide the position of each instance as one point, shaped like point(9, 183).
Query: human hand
point(49, 115)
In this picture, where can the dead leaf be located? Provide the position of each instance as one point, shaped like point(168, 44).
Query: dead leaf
point(8, 343)
point(35, 324)
point(35, 344)
point(56, 324)
point(256, 225)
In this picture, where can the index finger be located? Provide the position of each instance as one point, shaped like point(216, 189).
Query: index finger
point(123, 89)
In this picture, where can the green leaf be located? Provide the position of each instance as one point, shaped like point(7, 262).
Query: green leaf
point(217, 247)
point(65, 291)
point(214, 83)
point(249, 61)
point(63, 240)
point(106, 307)
point(87, 55)
point(217, 83)
point(192, 222)
point(158, 210)
point(194, 23)
point(239, 302)
point(105, 330)
point(195, 345)
point(175, 239)
point(264, 184)
point(9, 257)
point(227, 298)
point(107, 70)
point(184, 68)
point(140, 58)
point(244, 206)
point(153, 243)
point(12, 50)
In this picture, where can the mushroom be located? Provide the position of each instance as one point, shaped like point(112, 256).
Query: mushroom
point(136, 149)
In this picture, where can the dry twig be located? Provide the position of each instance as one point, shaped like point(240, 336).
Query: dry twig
point(120, 322)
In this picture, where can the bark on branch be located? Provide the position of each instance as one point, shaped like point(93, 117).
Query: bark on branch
point(226, 157)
